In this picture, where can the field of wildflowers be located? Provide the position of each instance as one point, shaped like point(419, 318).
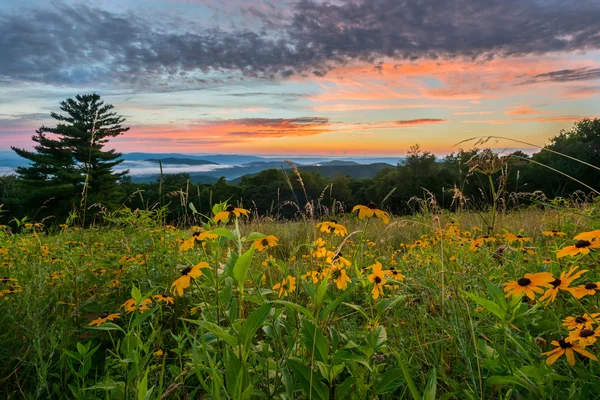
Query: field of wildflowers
point(367, 306)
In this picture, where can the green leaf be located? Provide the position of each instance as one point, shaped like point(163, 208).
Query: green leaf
point(431, 389)
point(217, 208)
point(315, 341)
point(142, 389)
point(140, 318)
point(254, 322)
point(136, 294)
point(240, 269)
point(224, 232)
point(255, 236)
point(308, 380)
point(487, 304)
point(389, 381)
point(334, 304)
point(107, 326)
point(342, 391)
point(221, 333)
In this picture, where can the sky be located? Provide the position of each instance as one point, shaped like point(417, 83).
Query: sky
point(336, 78)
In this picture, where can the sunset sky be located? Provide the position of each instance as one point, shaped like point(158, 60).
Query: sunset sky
point(356, 77)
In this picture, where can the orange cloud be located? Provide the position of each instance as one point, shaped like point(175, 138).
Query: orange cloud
point(421, 121)
point(523, 110)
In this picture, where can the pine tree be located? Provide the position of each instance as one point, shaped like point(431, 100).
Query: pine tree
point(69, 160)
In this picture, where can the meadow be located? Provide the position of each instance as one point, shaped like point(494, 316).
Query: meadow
point(358, 306)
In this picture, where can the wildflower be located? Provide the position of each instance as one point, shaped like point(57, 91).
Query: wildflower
point(183, 282)
point(553, 233)
point(164, 297)
point(333, 227)
point(589, 236)
point(130, 305)
point(563, 347)
point(158, 353)
point(590, 288)
point(371, 210)
point(517, 238)
point(286, 286)
point(529, 285)
point(338, 274)
point(562, 283)
point(265, 243)
point(582, 322)
point(581, 247)
point(377, 278)
point(312, 276)
point(476, 244)
point(224, 215)
point(104, 318)
point(395, 274)
point(7, 279)
point(583, 337)
point(270, 261)
point(337, 259)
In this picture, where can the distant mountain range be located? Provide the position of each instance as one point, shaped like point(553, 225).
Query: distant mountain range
point(208, 168)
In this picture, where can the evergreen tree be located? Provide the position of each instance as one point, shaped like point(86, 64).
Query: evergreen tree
point(69, 159)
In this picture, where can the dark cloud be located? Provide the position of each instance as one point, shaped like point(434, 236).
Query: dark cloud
point(567, 75)
point(279, 127)
point(421, 121)
point(80, 44)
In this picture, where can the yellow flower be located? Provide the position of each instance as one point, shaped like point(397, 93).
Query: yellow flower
point(224, 215)
point(590, 288)
point(583, 337)
point(371, 210)
point(337, 259)
point(583, 322)
point(589, 236)
point(563, 347)
point(553, 233)
point(517, 238)
point(187, 274)
point(286, 286)
point(103, 318)
point(377, 278)
point(562, 283)
point(164, 297)
point(158, 353)
point(266, 242)
point(333, 227)
point(270, 261)
point(338, 274)
point(395, 274)
point(312, 276)
point(529, 284)
point(130, 305)
point(581, 247)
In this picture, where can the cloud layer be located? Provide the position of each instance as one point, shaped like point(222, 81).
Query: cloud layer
point(81, 44)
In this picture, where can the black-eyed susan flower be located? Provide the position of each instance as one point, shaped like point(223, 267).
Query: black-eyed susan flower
point(187, 274)
point(266, 242)
point(334, 258)
point(312, 276)
point(564, 347)
point(580, 247)
point(394, 274)
point(104, 318)
point(333, 227)
point(562, 283)
point(589, 236)
point(378, 279)
point(269, 262)
point(590, 288)
point(517, 238)
point(159, 353)
point(286, 286)
point(164, 298)
point(553, 233)
point(585, 321)
point(318, 248)
point(230, 210)
point(371, 210)
point(583, 337)
point(6, 279)
point(339, 276)
point(529, 285)
point(130, 305)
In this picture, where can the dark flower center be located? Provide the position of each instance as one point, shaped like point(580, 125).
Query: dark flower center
point(104, 315)
point(586, 333)
point(519, 236)
point(580, 320)
point(524, 281)
point(377, 280)
point(196, 234)
point(556, 283)
point(230, 207)
point(334, 221)
point(372, 205)
point(265, 242)
point(591, 285)
point(564, 345)
point(186, 271)
point(581, 244)
point(164, 295)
